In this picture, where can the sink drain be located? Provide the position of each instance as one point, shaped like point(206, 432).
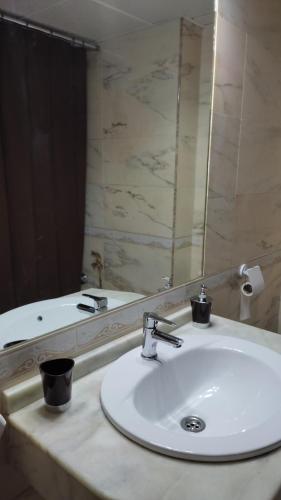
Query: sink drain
point(192, 424)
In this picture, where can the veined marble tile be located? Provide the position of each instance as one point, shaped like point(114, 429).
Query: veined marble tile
point(259, 159)
point(153, 49)
point(187, 263)
point(229, 68)
point(257, 225)
point(182, 265)
point(186, 159)
point(125, 237)
point(137, 268)
point(262, 87)
point(140, 79)
point(139, 161)
point(199, 210)
point(191, 36)
point(184, 211)
point(145, 210)
point(224, 155)
point(263, 17)
point(219, 233)
point(222, 182)
point(143, 108)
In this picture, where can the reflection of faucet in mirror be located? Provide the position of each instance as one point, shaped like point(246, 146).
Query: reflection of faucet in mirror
point(167, 283)
point(98, 264)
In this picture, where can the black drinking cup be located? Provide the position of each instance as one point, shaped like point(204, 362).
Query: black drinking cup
point(57, 383)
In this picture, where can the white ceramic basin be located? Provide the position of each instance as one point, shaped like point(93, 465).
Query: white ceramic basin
point(233, 385)
point(41, 317)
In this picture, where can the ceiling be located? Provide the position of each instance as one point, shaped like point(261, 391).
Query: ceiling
point(102, 19)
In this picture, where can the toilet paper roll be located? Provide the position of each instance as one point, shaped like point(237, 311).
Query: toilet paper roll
point(249, 289)
point(2, 425)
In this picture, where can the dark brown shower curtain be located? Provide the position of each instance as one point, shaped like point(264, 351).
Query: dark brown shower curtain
point(42, 165)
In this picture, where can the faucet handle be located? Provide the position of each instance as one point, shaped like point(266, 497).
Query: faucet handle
point(151, 319)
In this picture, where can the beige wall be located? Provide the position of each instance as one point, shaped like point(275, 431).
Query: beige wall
point(244, 207)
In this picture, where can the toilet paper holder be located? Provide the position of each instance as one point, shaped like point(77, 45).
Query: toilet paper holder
point(252, 285)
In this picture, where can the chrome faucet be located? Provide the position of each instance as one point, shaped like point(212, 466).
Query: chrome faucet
point(99, 303)
point(151, 335)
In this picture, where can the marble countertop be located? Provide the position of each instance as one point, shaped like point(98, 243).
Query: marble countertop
point(80, 455)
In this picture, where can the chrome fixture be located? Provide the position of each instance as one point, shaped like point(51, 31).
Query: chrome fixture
point(151, 335)
point(99, 302)
point(167, 280)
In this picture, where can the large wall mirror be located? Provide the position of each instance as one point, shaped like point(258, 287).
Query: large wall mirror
point(104, 135)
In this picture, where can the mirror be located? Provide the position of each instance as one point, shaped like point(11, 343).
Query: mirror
point(105, 118)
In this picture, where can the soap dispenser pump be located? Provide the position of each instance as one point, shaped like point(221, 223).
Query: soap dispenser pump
point(201, 308)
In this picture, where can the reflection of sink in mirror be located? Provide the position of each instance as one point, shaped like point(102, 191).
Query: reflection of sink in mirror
point(39, 318)
point(124, 202)
point(216, 399)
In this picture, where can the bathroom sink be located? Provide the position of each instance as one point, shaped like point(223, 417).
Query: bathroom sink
point(41, 317)
point(217, 398)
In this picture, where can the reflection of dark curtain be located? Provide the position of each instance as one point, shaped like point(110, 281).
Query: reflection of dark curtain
point(42, 165)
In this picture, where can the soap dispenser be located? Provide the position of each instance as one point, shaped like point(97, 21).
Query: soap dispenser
point(201, 309)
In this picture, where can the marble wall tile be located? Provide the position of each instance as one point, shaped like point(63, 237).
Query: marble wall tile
point(263, 17)
point(141, 51)
point(184, 211)
point(182, 262)
point(134, 267)
point(230, 53)
point(139, 161)
point(257, 225)
point(259, 159)
point(190, 102)
point(140, 78)
point(262, 85)
point(155, 114)
point(131, 181)
point(219, 233)
point(243, 206)
point(144, 210)
point(221, 193)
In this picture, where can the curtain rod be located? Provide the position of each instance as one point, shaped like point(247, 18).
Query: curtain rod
point(72, 39)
